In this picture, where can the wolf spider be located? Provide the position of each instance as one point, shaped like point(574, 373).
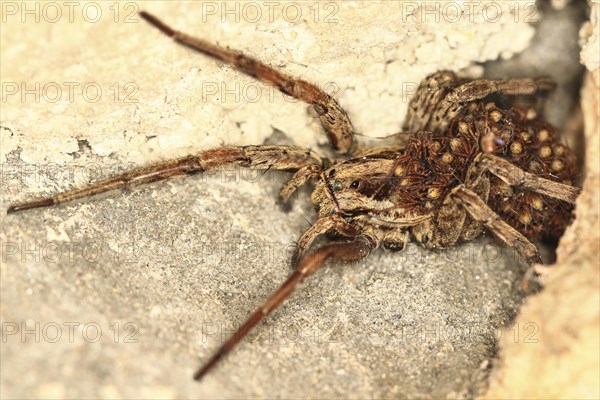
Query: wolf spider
point(471, 164)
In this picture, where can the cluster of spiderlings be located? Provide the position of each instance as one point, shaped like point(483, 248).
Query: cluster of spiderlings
point(431, 166)
point(532, 144)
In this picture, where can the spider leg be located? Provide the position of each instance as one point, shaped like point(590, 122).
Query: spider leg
point(350, 251)
point(480, 211)
point(303, 175)
point(284, 158)
point(515, 176)
point(334, 119)
point(428, 95)
point(459, 97)
point(478, 89)
point(320, 227)
point(441, 96)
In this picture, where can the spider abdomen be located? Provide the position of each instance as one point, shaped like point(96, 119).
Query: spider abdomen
point(434, 163)
point(532, 144)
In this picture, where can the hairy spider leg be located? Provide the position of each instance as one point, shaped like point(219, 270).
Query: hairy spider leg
point(333, 117)
point(283, 158)
point(321, 226)
point(442, 96)
point(351, 251)
point(465, 198)
point(481, 212)
point(515, 176)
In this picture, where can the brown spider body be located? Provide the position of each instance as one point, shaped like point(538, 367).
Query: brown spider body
point(397, 193)
point(469, 164)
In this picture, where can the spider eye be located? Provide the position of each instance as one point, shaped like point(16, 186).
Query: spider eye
point(355, 184)
point(337, 185)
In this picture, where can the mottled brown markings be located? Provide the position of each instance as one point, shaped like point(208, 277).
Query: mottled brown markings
point(468, 164)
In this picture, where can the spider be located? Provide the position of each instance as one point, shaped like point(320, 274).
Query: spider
point(470, 163)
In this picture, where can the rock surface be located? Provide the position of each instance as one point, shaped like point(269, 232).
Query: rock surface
point(125, 296)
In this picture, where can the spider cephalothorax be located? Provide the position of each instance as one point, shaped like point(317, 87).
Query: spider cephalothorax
point(470, 163)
